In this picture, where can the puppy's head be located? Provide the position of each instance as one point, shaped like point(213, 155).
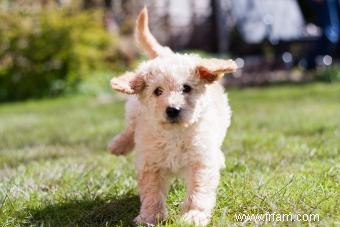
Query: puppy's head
point(170, 86)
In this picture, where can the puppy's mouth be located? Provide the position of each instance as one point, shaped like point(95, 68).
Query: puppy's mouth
point(172, 121)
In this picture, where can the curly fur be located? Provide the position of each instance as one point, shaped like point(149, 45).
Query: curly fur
point(189, 147)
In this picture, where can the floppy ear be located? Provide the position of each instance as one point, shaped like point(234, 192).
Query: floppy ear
point(213, 69)
point(128, 83)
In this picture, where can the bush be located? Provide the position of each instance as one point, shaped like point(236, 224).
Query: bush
point(330, 74)
point(47, 53)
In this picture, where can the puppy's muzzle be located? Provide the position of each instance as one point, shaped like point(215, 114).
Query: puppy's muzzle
point(173, 113)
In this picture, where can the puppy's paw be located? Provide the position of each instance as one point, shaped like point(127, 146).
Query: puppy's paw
point(139, 220)
point(195, 217)
point(122, 143)
point(116, 148)
point(149, 220)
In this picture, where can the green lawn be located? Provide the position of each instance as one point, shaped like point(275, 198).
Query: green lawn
point(282, 155)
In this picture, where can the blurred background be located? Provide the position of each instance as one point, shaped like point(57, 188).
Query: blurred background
point(58, 112)
point(53, 47)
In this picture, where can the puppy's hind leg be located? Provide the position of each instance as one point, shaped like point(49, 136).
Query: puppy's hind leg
point(123, 143)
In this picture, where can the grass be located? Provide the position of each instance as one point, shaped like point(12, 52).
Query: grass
point(282, 155)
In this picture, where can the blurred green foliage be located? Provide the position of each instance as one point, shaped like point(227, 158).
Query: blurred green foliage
point(49, 52)
point(330, 74)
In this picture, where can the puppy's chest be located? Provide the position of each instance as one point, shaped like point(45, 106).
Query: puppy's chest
point(174, 152)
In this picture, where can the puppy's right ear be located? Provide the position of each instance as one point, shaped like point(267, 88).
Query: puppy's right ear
point(128, 83)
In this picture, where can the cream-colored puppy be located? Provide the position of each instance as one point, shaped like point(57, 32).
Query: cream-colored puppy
point(177, 117)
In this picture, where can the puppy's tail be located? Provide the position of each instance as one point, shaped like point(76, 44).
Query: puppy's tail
point(123, 143)
point(145, 39)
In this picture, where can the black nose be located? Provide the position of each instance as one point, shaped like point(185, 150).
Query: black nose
point(172, 112)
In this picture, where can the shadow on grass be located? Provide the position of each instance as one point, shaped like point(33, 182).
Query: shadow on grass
point(97, 212)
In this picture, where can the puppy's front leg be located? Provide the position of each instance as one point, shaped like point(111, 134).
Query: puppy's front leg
point(202, 182)
point(152, 185)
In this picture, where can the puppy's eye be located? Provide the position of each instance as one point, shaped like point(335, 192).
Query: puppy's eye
point(186, 88)
point(158, 91)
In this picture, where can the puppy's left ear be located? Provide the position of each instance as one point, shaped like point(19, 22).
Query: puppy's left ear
point(213, 69)
point(128, 83)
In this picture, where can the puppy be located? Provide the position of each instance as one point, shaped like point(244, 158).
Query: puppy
point(177, 116)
